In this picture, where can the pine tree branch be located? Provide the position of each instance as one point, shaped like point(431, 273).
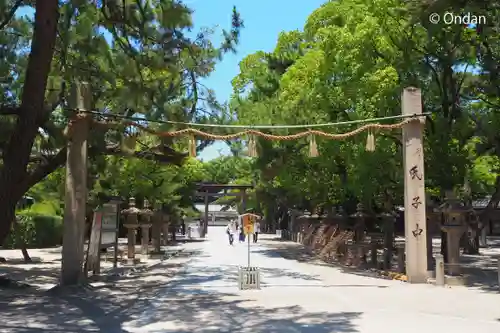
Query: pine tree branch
point(49, 164)
point(11, 14)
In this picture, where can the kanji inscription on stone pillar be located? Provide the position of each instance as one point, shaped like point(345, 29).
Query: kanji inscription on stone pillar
point(414, 183)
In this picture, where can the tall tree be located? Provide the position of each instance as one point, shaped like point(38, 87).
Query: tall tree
point(135, 55)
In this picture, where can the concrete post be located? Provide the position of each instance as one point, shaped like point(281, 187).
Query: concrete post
point(414, 193)
point(440, 281)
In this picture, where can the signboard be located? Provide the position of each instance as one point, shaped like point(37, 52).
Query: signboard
point(248, 224)
point(109, 227)
point(93, 253)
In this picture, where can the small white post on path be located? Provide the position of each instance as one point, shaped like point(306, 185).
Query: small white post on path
point(440, 280)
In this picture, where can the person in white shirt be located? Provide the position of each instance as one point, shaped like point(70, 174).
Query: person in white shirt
point(256, 231)
point(231, 230)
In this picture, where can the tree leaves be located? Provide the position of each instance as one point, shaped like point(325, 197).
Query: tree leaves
point(352, 61)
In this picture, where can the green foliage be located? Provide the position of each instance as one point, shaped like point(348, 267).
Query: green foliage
point(47, 208)
point(35, 230)
point(352, 61)
point(140, 58)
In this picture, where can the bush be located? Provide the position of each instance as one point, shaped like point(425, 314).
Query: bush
point(46, 208)
point(36, 230)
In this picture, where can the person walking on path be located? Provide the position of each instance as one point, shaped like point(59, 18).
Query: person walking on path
point(230, 230)
point(242, 233)
point(256, 231)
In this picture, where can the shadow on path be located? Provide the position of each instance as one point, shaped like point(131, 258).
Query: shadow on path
point(481, 270)
point(169, 299)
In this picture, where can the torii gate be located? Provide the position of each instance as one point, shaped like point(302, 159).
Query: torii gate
point(76, 187)
point(207, 190)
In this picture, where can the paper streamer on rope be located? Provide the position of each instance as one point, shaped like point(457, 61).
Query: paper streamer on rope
point(313, 147)
point(252, 146)
point(192, 146)
point(370, 141)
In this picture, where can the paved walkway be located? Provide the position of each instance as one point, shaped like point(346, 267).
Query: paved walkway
point(300, 297)
point(197, 293)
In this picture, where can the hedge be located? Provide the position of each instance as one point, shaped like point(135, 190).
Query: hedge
point(36, 230)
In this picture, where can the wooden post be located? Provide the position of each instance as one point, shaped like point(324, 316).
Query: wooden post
point(75, 189)
point(243, 201)
point(414, 184)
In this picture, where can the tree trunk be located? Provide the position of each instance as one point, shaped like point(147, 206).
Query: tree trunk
point(21, 243)
point(31, 114)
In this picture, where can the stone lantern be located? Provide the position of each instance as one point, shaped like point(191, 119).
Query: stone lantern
point(146, 214)
point(292, 225)
point(158, 217)
point(388, 220)
point(359, 234)
point(131, 223)
point(359, 223)
point(433, 224)
point(339, 217)
point(455, 215)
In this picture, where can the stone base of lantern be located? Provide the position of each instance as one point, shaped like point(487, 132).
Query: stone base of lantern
point(456, 281)
point(131, 261)
point(461, 280)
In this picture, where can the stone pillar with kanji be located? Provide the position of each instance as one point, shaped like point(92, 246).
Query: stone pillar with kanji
point(414, 188)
